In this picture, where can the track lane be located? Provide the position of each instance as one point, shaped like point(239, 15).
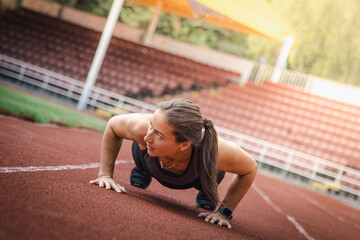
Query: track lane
point(317, 222)
point(61, 204)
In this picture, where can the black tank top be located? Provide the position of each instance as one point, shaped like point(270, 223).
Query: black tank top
point(150, 165)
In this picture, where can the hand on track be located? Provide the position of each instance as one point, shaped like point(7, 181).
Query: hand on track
point(108, 183)
point(215, 218)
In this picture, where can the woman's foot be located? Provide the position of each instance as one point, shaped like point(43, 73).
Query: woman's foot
point(202, 201)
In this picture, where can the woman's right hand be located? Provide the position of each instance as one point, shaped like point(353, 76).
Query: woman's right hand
point(108, 183)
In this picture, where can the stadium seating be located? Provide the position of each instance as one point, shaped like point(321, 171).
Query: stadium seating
point(286, 116)
point(349, 176)
point(273, 112)
point(129, 68)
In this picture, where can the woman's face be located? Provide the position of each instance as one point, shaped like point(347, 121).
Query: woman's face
point(159, 139)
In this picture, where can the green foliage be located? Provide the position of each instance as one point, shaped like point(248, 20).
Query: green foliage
point(191, 31)
point(200, 33)
point(64, 2)
point(258, 46)
point(131, 14)
point(98, 7)
point(327, 37)
point(19, 104)
point(135, 15)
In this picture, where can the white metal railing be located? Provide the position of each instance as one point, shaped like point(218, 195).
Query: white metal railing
point(69, 87)
point(263, 72)
point(292, 161)
point(337, 176)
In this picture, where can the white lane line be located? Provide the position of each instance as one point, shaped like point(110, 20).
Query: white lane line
point(327, 210)
point(54, 168)
point(290, 218)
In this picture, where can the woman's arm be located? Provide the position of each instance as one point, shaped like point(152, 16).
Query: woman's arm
point(233, 159)
point(130, 126)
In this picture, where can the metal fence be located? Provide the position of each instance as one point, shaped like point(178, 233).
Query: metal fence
point(315, 172)
point(318, 173)
point(262, 72)
point(70, 88)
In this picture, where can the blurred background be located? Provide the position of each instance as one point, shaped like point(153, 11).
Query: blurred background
point(279, 78)
point(327, 34)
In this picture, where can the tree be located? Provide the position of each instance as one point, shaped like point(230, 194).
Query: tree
point(327, 37)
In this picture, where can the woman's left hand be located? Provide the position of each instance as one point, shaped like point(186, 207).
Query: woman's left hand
point(215, 218)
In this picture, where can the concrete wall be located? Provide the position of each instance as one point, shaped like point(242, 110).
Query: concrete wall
point(337, 91)
point(97, 23)
point(7, 4)
point(42, 6)
point(205, 55)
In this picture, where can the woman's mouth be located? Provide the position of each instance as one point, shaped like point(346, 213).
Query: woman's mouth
point(149, 148)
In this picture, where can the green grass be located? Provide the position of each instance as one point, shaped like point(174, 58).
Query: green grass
point(26, 106)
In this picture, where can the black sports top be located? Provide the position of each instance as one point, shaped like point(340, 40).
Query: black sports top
point(150, 165)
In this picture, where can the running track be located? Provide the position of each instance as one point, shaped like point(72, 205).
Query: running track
point(45, 194)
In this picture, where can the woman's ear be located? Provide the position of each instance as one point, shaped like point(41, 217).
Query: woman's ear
point(185, 145)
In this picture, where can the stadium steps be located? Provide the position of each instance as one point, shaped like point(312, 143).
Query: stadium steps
point(129, 68)
point(286, 116)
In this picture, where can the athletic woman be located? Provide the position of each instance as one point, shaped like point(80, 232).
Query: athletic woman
point(180, 149)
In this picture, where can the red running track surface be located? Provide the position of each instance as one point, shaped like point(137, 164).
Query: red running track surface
point(52, 202)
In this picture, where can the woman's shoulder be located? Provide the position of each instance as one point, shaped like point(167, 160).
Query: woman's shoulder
point(225, 148)
point(232, 158)
point(131, 126)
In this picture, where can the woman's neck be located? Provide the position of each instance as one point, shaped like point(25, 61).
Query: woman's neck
point(177, 164)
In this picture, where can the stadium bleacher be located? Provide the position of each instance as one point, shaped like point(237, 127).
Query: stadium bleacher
point(288, 117)
point(277, 113)
point(129, 68)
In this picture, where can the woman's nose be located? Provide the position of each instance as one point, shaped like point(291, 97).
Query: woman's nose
point(147, 138)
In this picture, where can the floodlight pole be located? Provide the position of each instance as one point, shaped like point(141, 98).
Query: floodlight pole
point(100, 52)
point(281, 61)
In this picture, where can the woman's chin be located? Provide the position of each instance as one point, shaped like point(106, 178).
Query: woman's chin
point(151, 153)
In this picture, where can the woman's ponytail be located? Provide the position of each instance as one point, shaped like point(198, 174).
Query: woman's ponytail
point(208, 161)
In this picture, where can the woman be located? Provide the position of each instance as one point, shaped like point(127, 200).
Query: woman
point(181, 149)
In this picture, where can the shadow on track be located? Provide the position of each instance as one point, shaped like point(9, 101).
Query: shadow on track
point(167, 203)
